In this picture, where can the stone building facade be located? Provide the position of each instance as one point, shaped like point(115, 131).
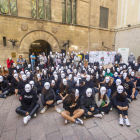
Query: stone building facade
point(85, 35)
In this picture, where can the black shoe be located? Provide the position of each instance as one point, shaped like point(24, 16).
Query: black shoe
point(79, 121)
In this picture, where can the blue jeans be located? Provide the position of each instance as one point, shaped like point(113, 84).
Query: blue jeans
point(33, 65)
point(109, 93)
point(135, 94)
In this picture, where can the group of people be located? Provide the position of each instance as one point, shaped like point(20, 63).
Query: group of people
point(85, 91)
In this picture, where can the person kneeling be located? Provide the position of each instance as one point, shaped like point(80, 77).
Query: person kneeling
point(121, 103)
point(29, 106)
point(48, 98)
point(71, 112)
point(88, 104)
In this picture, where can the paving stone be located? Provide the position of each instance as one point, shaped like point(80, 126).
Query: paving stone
point(127, 133)
point(134, 118)
point(10, 135)
point(23, 133)
point(107, 128)
point(98, 134)
point(70, 137)
point(120, 137)
point(135, 130)
point(38, 132)
point(50, 124)
point(89, 123)
point(82, 133)
point(54, 136)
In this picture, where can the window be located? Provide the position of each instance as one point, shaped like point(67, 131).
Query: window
point(6, 4)
point(69, 11)
point(43, 11)
point(4, 41)
point(104, 17)
point(33, 9)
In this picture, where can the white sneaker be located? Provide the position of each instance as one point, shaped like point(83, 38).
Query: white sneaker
point(40, 95)
point(126, 121)
point(67, 121)
point(121, 121)
point(58, 110)
point(26, 119)
point(35, 115)
point(59, 101)
point(111, 109)
point(98, 116)
point(103, 113)
point(43, 110)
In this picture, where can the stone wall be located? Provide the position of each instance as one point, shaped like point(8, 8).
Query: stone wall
point(81, 36)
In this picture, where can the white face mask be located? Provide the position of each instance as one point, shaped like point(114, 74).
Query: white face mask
point(88, 78)
point(136, 64)
point(62, 68)
point(18, 67)
point(24, 78)
point(38, 76)
point(124, 66)
point(88, 66)
point(15, 76)
point(100, 67)
point(75, 79)
point(64, 82)
point(70, 66)
point(55, 73)
point(122, 62)
point(15, 71)
point(133, 62)
point(92, 71)
point(68, 71)
point(52, 68)
point(89, 69)
point(121, 68)
point(75, 71)
point(103, 90)
point(116, 62)
point(62, 75)
point(28, 74)
point(1, 78)
point(89, 92)
point(124, 75)
point(95, 67)
point(113, 69)
point(132, 73)
point(76, 93)
point(121, 72)
point(127, 64)
point(120, 89)
point(27, 88)
point(29, 66)
point(21, 73)
point(78, 75)
point(70, 77)
point(47, 85)
point(32, 83)
point(108, 70)
point(14, 64)
point(107, 79)
point(118, 70)
point(55, 77)
point(130, 70)
point(118, 82)
point(97, 76)
point(53, 82)
point(103, 73)
point(115, 74)
point(37, 68)
point(45, 72)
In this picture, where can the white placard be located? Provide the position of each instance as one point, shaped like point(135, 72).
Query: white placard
point(124, 52)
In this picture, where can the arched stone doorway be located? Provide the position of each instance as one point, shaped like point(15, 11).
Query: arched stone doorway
point(33, 36)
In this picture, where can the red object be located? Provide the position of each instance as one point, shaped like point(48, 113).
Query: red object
point(20, 97)
point(9, 63)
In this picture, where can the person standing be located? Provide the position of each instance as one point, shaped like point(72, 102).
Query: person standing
point(20, 62)
point(9, 61)
point(33, 58)
point(87, 56)
point(117, 57)
point(131, 58)
point(138, 60)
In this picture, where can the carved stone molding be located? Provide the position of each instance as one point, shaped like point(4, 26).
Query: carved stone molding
point(40, 25)
point(54, 30)
point(24, 27)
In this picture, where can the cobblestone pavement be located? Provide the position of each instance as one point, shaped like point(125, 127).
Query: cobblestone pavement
point(50, 125)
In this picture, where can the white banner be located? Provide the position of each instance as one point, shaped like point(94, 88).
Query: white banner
point(124, 52)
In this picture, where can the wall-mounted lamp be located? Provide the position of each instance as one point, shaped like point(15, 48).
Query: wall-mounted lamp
point(129, 25)
point(13, 42)
point(65, 44)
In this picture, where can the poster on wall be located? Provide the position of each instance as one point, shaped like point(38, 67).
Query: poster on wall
point(124, 52)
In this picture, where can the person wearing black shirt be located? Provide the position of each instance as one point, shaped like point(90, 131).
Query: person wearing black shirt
point(71, 106)
point(130, 88)
point(118, 57)
point(29, 106)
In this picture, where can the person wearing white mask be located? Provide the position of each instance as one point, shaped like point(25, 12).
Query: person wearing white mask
point(72, 111)
point(21, 85)
point(71, 82)
point(115, 77)
point(29, 106)
point(131, 58)
point(133, 78)
point(88, 104)
point(108, 85)
point(108, 73)
point(88, 82)
point(32, 83)
point(120, 102)
point(102, 101)
point(28, 67)
point(48, 98)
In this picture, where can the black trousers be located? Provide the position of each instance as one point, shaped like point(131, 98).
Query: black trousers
point(6, 92)
point(105, 109)
point(96, 111)
point(21, 111)
point(49, 98)
point(122, 104)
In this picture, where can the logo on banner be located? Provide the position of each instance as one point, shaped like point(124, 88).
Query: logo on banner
point(102, 59)
point(108, 54)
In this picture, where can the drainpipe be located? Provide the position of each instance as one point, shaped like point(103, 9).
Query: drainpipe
point(89, 26)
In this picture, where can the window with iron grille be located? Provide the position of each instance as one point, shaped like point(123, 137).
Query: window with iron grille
point(104, 13)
